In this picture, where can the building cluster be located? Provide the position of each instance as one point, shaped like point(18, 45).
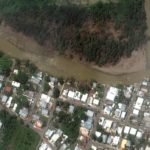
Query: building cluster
point(116, 117)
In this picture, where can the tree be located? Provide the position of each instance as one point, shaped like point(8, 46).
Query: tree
point(5, 64)
point(21, 77)
point(56, 92)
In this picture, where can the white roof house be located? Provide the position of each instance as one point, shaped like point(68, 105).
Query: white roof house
point(119, 130)
point(84, 97)
point(23, 113)
point(4, 98)
point(15, 84)
point(112, 93)
point(14, 107)
point(108, 110)
point(93, 147)
point(147, 148)
point(71, 94)
point(123, 114)
point(126, 129)
point(65, 92)
point(107, 124)
point(136, 112)
point(44, 146)
point(16, 71)
point(90, 113)
point(116, 140)
point(45, 98)
point(98, 134)
point(139, 134)
point(1, 124)
point(49, 133)
point(54, 138)
point(44, 112)
point(139, 103)
point(77, 95)
point(133, 131)
point(8, 103)
point(96, 102)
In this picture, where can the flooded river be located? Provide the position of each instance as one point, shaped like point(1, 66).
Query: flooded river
point(61, 66)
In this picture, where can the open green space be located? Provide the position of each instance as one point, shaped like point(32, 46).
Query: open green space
point(15, 135)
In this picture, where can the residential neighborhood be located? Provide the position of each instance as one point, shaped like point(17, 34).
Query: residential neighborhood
point(76, 115)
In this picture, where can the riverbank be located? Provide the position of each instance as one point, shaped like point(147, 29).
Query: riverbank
point(128, 70)
point(135, 63)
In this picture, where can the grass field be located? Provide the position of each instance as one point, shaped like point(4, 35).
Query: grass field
point(82, 2)
point(16, 136)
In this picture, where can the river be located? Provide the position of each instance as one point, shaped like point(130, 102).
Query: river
point(61, 66)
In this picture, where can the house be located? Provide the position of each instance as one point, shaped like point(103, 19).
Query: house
point(23, 113)
point(1, 78)
point(126, 129)
point(1, 124)
point(93, 147)
point(44, 146)
point(29, 94)
point(147, 148)
point(107, 124)
point(96, 102)
point(44, 112)
point(49, 133)
point(116, 140)
point(108, 110)
point(65, 92)
point(45, 98)
point(38, 124)
point(4, 99)
point(90, 101)
point(88, 123)
point(8, 103)
point(63, 147)
point(111, 94)
point(139, 103)
point(77, 96)
point(8, 89)
point(84, 97)
point(90, 113)
point(119, 130)
point(1, 85)
point(71, 94)
point(98, 134)
point(14, 107)
point(54, 138)
point(35, 80)
point(139, 135)
point(15, 84)
point(133, 131)
point(136, 112)
point(71, 109)
point(16, 71)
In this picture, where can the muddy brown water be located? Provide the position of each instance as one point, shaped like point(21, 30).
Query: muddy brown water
point(61, 66)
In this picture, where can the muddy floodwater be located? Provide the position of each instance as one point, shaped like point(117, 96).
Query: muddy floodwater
point(61, 66)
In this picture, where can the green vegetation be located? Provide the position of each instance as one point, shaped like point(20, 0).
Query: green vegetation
point(70, 123)
point(22, 101)
point(21, 77)
point(5, 64)
point(102, 32)
point(56, 92)
point(15, 135)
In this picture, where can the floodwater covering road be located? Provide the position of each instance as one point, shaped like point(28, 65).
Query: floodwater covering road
point(61, 66)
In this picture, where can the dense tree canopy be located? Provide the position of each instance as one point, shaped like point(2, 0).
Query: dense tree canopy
point(16, 136)
point(116, 29)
